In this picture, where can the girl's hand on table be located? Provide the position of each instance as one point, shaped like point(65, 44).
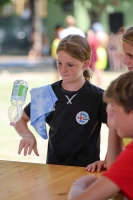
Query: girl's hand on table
point(97, 166)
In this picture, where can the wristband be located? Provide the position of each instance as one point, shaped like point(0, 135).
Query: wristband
point(26, 135)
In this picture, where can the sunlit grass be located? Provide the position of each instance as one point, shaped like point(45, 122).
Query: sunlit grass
point(9, 139)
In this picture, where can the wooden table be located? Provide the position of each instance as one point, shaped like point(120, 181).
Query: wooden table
point(30, 181)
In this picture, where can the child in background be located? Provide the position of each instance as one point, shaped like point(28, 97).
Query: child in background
point(71, 28)
point(119, 177)
point(92, 39)
point(101, 63)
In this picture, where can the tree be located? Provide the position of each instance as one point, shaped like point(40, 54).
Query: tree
point(95, 7)
point(36, 21)
point(3, 2)
point(32, 8)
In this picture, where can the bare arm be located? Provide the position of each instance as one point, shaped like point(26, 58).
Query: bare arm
point(91, 188)
point(28, 141)
point(115, 146)
point(97, 165)
point(115, 143)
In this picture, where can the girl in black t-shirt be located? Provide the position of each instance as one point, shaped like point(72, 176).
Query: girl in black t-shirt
point(75, 121)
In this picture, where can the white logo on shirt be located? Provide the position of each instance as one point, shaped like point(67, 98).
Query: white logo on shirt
point(82, 117)
point(70, 99)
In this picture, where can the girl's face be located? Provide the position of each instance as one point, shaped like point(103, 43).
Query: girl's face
point(128, 55)
point(70, 68)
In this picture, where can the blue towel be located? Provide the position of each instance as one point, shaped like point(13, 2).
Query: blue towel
point(42, 103)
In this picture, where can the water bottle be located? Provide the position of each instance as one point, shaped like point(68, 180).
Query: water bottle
point(18, 98)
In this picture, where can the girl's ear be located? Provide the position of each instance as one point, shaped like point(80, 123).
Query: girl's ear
point(86, 65)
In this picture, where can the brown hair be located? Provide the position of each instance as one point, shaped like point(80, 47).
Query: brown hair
point(121, 91)
point(128, 36)
point(77, 47)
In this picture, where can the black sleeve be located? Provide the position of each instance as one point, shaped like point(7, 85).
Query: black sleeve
point(27, 110)
point(102, 112)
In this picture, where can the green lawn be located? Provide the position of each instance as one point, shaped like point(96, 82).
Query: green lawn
point(9, 139)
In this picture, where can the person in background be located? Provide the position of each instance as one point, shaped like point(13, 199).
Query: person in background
point(97, 27)
point(119, 177)
point(92, 39)
point(35, 52)
point(115, 55)
point(45, 45)
point(115, 145)
point(39, 47)
point(72, 107)
point(98, 40)
point(70, 28)
point(54, 46)
point(101, 63)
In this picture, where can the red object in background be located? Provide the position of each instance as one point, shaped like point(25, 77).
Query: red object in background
point(115, 3)
point(93, 43)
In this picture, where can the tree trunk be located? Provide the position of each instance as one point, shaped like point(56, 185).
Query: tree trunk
point(94, 16)
point(32, 8)
point(36, 21)
point(96, 13)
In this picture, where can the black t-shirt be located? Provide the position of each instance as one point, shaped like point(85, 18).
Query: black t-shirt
point(75, 123)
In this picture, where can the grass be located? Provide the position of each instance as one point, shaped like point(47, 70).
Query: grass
point(9, 139)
